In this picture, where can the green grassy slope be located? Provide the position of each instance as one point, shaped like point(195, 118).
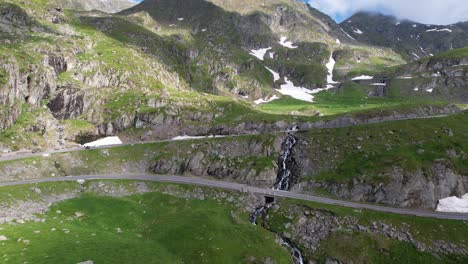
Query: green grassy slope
point(148, 228)
point(181, 228)
point(365, 151)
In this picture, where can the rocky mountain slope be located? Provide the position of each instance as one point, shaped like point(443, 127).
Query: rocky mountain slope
point(440, 77)
point(411, 39)
point(71, 71)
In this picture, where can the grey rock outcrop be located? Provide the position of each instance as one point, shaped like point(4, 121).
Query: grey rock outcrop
point(68, 103)
point(309, 227)
point(403, 188)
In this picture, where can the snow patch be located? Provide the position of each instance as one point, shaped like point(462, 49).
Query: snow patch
point(299, 93)
point(397, 23)
point(347, 34)
point(338, 41)
point(422, 50)
point(260, 53)
point(362, 77)
point(180, 19)
point(430, 90)
point(416, 55)
point(378, 84)
point(416, 89)
point(436, 75)
point(263, 101)
point(107, 141)
point(288, 44)
point(203, 30)
point(439, 30)
point(405, 77)
point(415, 25)
point(357, 31)
point(272, 55)
point(318, 90)
point(276, 75)
point(330, 66)
point(453, 204)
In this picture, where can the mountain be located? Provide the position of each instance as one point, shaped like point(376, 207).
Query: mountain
point(108, 6)
point(270, 94)
point(410, 39)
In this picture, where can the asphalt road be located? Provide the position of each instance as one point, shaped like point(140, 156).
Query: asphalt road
point(250, 189)
point(16, 156)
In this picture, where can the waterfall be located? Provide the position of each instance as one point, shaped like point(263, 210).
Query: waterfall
point(295, 252)
point(260, 211)
point(283, 183)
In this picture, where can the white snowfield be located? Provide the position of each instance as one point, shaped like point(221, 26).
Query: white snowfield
point(437, 74)
point(363, 77)
point(288, 44)
point(357, 31)
point(299, 93)
point(347, 34)
point(439, 30)
point(416, 55)
point(276, 75)
point(263, 101)
point(260, 53)
point(453, 204)
point(330, 66)
point(107, 141)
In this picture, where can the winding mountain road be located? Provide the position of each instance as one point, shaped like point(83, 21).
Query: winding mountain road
point(249, 189)
point(16, 156)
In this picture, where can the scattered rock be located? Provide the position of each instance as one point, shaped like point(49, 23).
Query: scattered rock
point(78, 214)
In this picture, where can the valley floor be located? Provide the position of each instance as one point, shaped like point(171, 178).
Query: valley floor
point(144, 222)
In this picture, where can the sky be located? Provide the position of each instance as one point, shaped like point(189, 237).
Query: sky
point(440, 12)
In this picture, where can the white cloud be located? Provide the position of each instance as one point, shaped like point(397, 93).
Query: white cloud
point(423, 11)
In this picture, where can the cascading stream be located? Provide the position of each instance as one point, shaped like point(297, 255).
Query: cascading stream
point(284, 173)
point(283, 183)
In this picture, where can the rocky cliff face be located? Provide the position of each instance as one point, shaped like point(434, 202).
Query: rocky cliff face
point(247, 161)
point(444, 76)
point(402, 188)
point(28, 85)
point(390, 164)
point(311, 228)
